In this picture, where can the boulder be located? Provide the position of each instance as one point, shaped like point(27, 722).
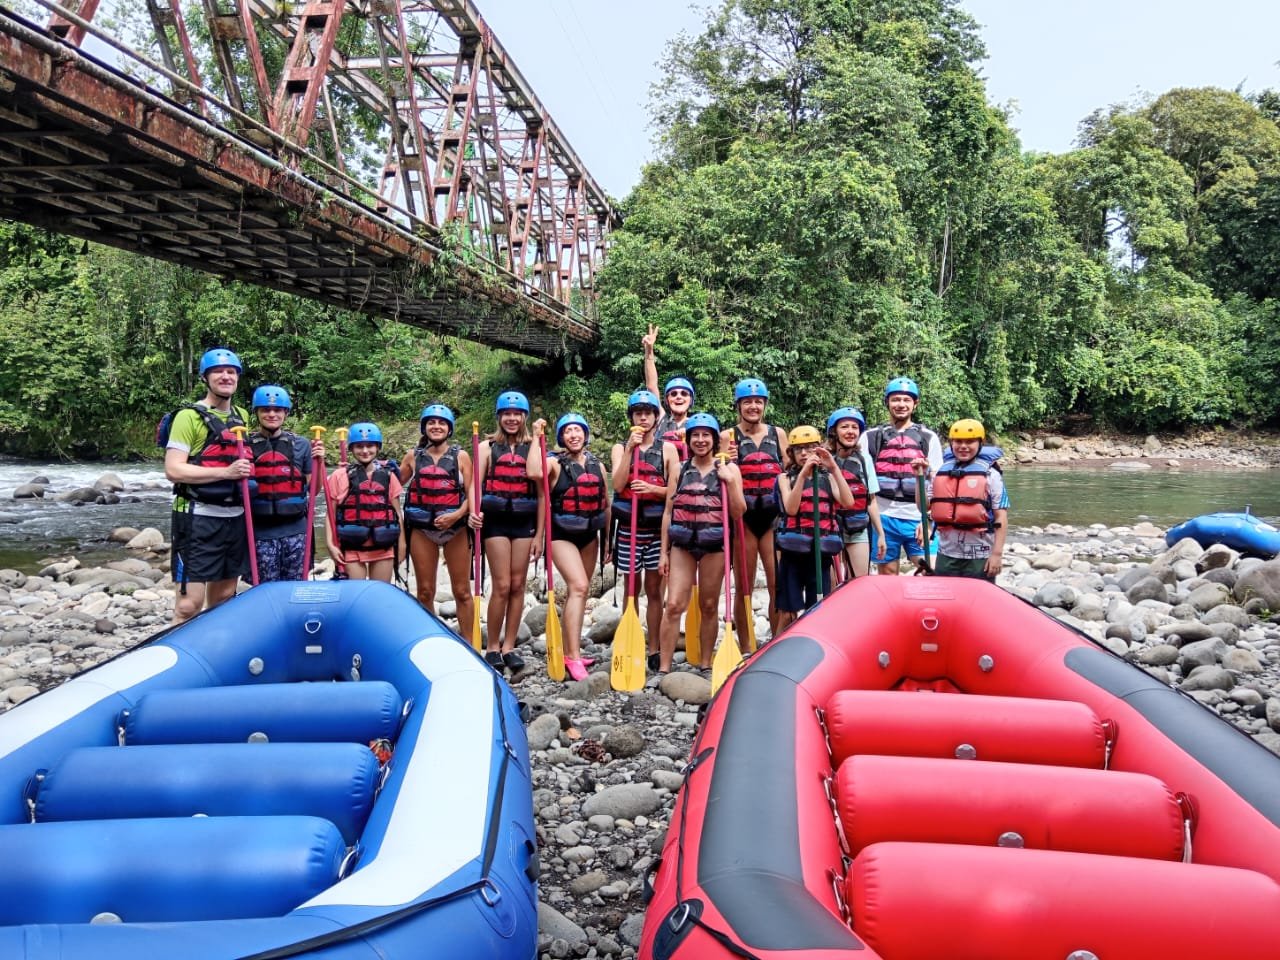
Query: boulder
point(1227, 614)
point(1160, 655)
point(1187, 631)
point(78, 495)
point(1210, 677)
point(624, 741)
point(1089, 607)
point(1201, 653)
point(1217, 555)
point(1262, 582)
point(542, 730)
point(148, 539)
point(1054, 560)
point(122, 534)
point(1148, 588)
point(626, 801)
point(1207, 597)
point(29, 491)
point(689, 687)
point(1240, 660)
point(1053, 443)
point(109, 483)
point(1151, 445)
point(604, 622)
point(536, 619)
point(1054, 594)
point(1133, 575)
point(1223, 575)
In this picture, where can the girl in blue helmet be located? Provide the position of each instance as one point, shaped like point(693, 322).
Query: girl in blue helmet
point(367, 533)
point(436, 475)
point(509, 519)
point(579, 514)
point(760, 450)
point(644, 468)
point(845, 427)
point(693, 544)
point(677, 396)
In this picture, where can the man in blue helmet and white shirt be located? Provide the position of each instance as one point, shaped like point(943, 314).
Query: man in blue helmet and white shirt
point(282, 474)
point(210, 546)
point(898, 449)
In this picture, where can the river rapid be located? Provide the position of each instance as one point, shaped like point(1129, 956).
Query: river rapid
point(34, 531)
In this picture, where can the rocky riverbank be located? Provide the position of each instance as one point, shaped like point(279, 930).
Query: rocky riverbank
point(607, 766)
point(1193, 450)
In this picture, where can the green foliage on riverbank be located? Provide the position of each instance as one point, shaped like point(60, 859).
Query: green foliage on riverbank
point(835, 203)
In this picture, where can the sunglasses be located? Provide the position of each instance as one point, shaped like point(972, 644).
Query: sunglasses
point(678, 392)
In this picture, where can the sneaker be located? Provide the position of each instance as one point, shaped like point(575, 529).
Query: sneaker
point(654, 660)
point(576, 669)
point(494, 659)
point(514, 662)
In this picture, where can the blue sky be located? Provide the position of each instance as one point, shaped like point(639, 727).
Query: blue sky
point(592, 62)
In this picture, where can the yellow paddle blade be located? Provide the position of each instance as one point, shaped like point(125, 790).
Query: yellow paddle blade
point(555, 641)
point(750, 618)
point(626, 673)
point(728, 656)
point(476, 641)
point(693, 629)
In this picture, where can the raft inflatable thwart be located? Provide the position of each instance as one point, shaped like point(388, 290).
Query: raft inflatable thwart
point(311, 769)
point(1239, 531)
point(922, 768)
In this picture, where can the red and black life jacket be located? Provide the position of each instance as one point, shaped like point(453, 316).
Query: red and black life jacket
point(893, 453)
point(672, 434)
point(652, 505)
point(961, 496)
point(365, 518)
point(279, 463)
point(507, 487)
point(795, 531)
point(578, 499)
point(219, 451)
point(855, 518)
point(435, 488)
point(697, 511)
point(760, 466)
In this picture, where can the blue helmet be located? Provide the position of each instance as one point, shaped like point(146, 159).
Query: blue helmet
point(643, 398)
point(511, 400)
point(219, 357)
point(567, 420)
point(679, 383)
point(364, 433)
point(846, 413)
point(901, 385)
point(270, 395)
point(436, 410)
point(750, 387)
point(703, 421)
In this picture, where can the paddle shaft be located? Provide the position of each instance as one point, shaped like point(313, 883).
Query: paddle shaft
point(635, 509)
point(724, 533)
point(475, 501)
point(546, 486)
point(317, 471)
point(922, 501)
point(817, 533)
point(243, 454)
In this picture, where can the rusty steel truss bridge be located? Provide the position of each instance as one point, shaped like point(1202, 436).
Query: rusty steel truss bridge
point(384, 156)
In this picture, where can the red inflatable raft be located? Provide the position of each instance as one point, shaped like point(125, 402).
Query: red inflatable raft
point(928, 767)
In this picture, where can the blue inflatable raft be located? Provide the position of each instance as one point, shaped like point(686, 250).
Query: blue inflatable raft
point(312, 769)
point(1239, 531)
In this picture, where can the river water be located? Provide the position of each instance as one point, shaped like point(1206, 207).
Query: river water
point(32, 531)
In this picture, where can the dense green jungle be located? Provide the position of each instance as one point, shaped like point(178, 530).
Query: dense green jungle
point(835, 201)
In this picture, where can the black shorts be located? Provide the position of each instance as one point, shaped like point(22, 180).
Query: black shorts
point(795, 582)
point(208, 549)
point(579, 538)
point(509, 526)
point(760, 522)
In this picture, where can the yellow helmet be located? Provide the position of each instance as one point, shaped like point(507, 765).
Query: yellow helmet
point(804, 434)
point(967, 430)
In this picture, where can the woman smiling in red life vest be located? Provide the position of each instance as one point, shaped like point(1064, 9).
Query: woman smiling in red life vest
point(437, 479)
point(579, 514)
point(367, 533)
point(510, 520)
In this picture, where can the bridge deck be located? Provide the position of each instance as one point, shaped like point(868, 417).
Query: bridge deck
point(88, 151)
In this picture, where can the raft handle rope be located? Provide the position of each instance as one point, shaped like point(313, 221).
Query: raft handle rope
point(1190, 814)
point(487, 889)
point(1110, 731)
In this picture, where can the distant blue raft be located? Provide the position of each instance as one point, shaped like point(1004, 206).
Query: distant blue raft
point(213, 794)
point(1239, 531)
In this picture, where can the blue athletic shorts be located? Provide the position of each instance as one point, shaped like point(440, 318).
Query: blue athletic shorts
point(898, 533)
